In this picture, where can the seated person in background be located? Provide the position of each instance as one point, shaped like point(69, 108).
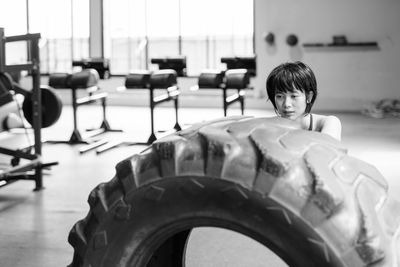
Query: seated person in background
point(292, 89)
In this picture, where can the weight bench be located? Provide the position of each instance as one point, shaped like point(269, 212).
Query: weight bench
point(161, 79)
point(238, 79)
point(86, 79)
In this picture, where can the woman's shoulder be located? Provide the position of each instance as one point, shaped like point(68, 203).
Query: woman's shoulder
point(326, 118)
point(328, 124)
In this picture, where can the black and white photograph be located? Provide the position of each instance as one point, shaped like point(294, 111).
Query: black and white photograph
point(187, 133)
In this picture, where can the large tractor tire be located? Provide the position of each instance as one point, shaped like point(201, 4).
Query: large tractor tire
point(294, 191)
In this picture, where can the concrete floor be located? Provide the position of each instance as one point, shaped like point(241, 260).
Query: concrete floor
point(35, 225)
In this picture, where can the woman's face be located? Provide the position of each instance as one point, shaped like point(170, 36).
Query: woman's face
point(291, 105)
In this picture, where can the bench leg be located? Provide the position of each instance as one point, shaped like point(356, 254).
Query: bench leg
point(76, 138)
point(225, 103)
point(241, 97)
point(177, 127)
point(105, 124)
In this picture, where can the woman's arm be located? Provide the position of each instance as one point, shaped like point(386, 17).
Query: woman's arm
point(333, 127)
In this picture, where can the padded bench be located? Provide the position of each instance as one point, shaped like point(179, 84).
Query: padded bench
point(238, 79)
point(143, 79)
point(86, 79)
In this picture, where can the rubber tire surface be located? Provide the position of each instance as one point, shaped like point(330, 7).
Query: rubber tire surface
point(297, 192)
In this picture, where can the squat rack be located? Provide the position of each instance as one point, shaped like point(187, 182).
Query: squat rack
point(32, 65)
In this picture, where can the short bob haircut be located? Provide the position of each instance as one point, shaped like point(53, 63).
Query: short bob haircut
point(290, 76)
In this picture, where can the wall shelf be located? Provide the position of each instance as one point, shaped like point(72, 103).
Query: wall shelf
point(345, 46)
point(361, 44)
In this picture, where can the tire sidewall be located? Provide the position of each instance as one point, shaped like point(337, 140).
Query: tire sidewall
point(160, 209)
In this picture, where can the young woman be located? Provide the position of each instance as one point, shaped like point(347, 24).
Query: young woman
point(292, 89)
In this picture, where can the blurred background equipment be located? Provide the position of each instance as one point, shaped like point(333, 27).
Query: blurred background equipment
point(32, 165)
point(101, 65)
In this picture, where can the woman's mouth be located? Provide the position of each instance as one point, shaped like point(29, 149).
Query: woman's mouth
point(288, 113)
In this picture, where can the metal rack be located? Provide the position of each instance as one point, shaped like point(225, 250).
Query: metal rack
point(33, 169)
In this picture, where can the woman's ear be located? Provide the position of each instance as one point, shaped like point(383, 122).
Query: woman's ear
point(309, 97)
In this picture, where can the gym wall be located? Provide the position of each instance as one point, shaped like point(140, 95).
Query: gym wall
point(347, 78)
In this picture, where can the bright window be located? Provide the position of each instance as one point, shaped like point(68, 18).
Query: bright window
point(162, 28)
point(13, 17)
point(124, 35)
point(59, 29)
point(203, 31)
point(13, 21)
point(80, 29)
point(214, 29)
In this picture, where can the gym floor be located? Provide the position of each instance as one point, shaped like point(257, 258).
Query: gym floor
point(35, 225)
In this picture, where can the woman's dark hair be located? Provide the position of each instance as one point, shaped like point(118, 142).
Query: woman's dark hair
point(290, 76)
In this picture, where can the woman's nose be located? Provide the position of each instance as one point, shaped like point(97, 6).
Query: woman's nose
point(287, 102)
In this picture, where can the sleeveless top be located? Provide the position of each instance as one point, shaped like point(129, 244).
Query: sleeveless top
point(311, 123)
